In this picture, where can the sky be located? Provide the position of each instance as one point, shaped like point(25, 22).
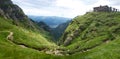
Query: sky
point(62, 8)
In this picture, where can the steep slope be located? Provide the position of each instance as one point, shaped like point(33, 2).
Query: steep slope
point(94, 32)
point(14, 13)
point(17, 38)
point(10, 11)
point(21, 43)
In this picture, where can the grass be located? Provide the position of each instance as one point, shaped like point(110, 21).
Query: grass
point(10, 50)
point(95, 30)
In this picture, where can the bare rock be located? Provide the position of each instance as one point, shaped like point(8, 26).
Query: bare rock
point(68, 41)
point(10, 36)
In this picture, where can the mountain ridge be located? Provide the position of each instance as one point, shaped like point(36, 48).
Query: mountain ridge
point(11, 11)
point(51, 21)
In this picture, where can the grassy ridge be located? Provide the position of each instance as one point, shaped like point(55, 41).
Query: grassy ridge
point(94, 35)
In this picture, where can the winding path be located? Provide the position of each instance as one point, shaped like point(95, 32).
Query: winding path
point(55, 52)
point(11, 39)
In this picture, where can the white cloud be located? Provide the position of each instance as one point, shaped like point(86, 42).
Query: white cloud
point(68, 3)
point(63, 8)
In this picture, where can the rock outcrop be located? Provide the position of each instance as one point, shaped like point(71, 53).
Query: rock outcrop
point(10, 36)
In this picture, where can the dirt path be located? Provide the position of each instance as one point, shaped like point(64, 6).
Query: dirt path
point(10, 37)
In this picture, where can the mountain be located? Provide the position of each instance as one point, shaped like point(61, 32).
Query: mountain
point(59, 30)
point(21, 37)
point(8, 10)
point(53, 24)
point(94, 35)
point(14, 13)
point(52, 21)
point(44, 26)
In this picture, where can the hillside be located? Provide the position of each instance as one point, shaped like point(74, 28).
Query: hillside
point(27, 44)
point(15, 14)
point(94, 35)
point(44, 26)
point(8, 10)
point(20, 36)
point(22, 42)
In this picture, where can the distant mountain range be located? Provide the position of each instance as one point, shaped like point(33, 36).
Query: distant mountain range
point(51, 21)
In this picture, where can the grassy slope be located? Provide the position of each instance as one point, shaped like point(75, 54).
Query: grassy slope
point(9, 50)
point(97, 32)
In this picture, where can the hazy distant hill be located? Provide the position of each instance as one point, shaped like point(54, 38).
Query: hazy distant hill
point(52, 21)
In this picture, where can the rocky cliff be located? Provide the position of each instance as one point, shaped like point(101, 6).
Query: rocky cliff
point(8, 10)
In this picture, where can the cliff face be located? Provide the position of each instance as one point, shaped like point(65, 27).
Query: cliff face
point(9, 10)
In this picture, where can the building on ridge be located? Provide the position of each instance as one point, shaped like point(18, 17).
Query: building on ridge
point(105, 8)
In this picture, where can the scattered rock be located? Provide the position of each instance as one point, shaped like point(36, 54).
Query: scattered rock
point(107, 41)
point(10, 36)
point(56, 52)
point(76, 33)
point(22, 46)
point(68, 41)
point(49, 52)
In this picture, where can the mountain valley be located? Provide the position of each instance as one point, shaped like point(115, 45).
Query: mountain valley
point(94, 35)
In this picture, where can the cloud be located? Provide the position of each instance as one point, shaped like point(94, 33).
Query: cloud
point(89, 2)
point(62, 8)
point(115, 2)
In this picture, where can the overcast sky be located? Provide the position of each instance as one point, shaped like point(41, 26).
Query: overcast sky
point(62, 8)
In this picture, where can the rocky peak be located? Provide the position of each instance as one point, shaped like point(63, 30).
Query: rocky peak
point(9, 10)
